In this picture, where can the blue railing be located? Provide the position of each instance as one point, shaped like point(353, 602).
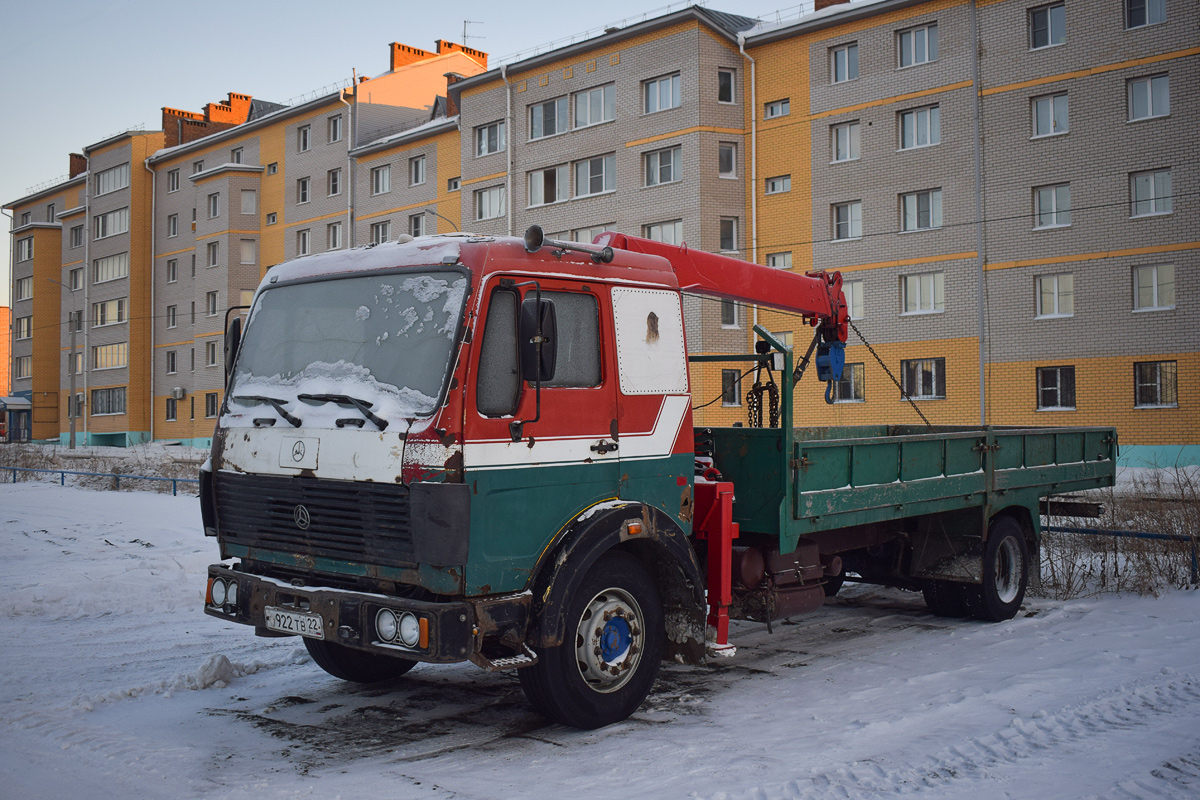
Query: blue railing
point(1162, 537)
point(63, 473)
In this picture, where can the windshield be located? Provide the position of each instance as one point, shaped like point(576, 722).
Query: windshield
point(387, 340)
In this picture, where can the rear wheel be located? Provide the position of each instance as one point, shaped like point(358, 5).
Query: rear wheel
point(356, 666)
point(1005, 572)
point(609, 659)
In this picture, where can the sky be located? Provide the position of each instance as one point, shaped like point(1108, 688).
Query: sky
point(76, 73)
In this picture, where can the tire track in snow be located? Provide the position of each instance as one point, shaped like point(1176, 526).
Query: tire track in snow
point(1127, 707)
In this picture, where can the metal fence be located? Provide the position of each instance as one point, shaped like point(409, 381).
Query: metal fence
point(1162, 537)
point(63, 473)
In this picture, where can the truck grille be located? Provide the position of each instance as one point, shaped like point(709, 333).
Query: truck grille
point(367, 523)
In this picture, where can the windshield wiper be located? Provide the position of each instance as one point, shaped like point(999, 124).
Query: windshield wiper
point(270, 401)
point(346, 400)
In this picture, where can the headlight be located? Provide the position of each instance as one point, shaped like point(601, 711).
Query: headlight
point(231, 594)
point(410, 629)
point(218, 592)
point(385, 625)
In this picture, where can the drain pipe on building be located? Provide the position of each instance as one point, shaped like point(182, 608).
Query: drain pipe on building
point(153, 274)
point(508, 130)
point(349, 241)
point(753, 160)
point(87, 282)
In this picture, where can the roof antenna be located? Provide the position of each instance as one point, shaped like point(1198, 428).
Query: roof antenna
point(467, 22)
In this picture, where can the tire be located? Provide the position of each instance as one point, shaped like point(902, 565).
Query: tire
point(356, 666)
point(946, 598)
point(833, 584)
point(1005, 573)
point(574, 683)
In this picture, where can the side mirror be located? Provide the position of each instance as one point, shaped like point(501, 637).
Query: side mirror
point(233, 338)
point(538, 332)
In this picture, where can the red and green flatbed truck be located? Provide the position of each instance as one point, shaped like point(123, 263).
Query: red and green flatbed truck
point(482, 448)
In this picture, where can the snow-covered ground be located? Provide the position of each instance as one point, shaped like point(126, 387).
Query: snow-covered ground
point(113, 683)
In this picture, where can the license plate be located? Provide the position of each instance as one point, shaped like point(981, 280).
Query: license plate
point(284, 621)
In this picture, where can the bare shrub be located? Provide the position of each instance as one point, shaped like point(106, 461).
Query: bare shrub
point(144, 460)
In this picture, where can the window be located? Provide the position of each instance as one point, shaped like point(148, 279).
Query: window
point(853, 290)
point(779, 184)
point(193, 312)
point(302, 138)
point(197, 167)
point(235, 155)
point(171, 316)
point(110, 268)
point(172, 362)
point(23, 328)
point(588, 234)
point(110, 356)
point(77, 236)
point(272, 218)
point(213, 253)
point(24, 287)
point(499, 380)
point(25, 217)
point(1050, 115)
point(844, 63)
point(273, 168)
point(210, 404)
point(333, 236)
point(923, 293)
point(1154, 384)
point(172, 225)
point(731, 390)
point(75, 278)
point(108, 312)
point(50, 212)
point(1154, 287)
point(923, 379)
point(381, 179)
point(662, 93)
point(1056, 388)
point(727, 160)
point(595, 175)
point(489, 203)
point(921, 211)
point(76, 366)
point(173, 181)
point(1055, 295)
point(920, 127)
point(302, 190)
point(595, 106)
point(777, 108)
point(1052, 206)
point(416, 224)
point(210, 304)
point(918, 45)
point(303, 242)
point(550, 185)
point(381, 231)
point(23, 367)
point(453, 184)
point(780, 260)
point(172, 270)
point(850, 388)
point(112, 223)
point(1145, 12)
point(334, 127)
point(847, 220)
point(214, 205)
point(249, 201)
point(844, 139)
point(1047, 25)
point(108, 401)
point(729, 314)
point(1149, 97)
point(416, 171)
point(248, 251)
point(547, 119)
point(1151, 192)
point(578, 361)
point(665, 232)
point(172, 412)
point(210, 354)
point(664, 166)
point(724, 86)
point(25, 248)
point(728, 233)
point(110, 180)
point(489, 139)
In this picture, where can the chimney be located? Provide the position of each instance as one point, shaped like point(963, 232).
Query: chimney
point(403, 55)
point(827, 3)
point(478, 56)
point(78, 164)
point(451, 79)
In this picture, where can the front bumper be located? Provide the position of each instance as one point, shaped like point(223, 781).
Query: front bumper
point(348, 617)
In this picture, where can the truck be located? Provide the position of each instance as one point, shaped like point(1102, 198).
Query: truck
point(482, 448)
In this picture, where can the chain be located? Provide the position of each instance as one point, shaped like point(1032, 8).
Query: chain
point(754, 401)
point(903, 394)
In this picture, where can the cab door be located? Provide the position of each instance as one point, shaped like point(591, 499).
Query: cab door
point(566, 459)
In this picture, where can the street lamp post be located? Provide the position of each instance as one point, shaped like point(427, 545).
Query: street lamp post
point(71, 409)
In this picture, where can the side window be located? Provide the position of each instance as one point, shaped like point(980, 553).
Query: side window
point(578, 360)
point(499, 380)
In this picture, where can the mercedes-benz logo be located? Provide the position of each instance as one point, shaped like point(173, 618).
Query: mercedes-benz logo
point(298, 451)
point(300, 515)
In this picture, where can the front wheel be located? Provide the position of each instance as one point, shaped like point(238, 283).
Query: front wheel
point(609, 659)
point(1005, 572)
point(356, 666)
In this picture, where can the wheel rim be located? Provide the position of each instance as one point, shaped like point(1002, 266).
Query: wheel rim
point(609, 640)
point(1008, 570)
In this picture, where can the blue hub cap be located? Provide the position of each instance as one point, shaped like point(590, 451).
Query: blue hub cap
point(615, 639)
